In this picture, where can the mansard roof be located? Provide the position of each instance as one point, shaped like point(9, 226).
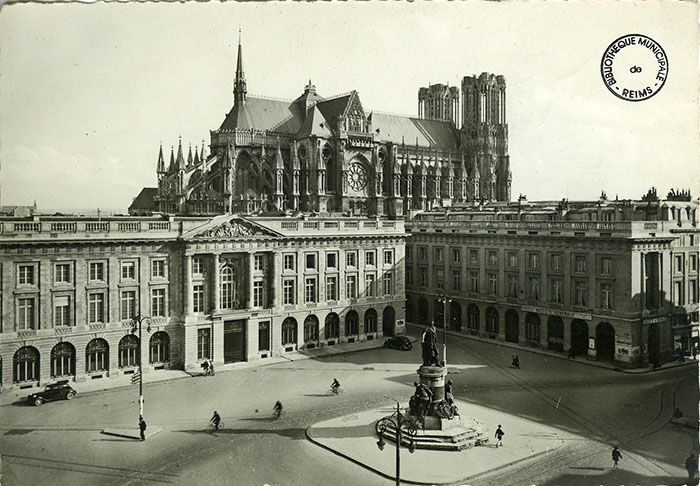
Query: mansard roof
point(404, 129)
point(264, 114)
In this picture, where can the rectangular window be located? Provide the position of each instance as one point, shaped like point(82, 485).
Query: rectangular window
point(311, 261)
point(606, 266)
point(473, 257)
point(264, 336)
point(580, 292)
point(97, 272)
point(158, 302)
point(409, 253)
point(493, 283)
point(198, 298)
point(26, 275)
point(512, 259)
point(388, 257)
point(157, 268)
point(96, 308)
point(438, 254)
point(197, 265)
point(351, 259)
point(351, 287)
point(258, 294)
point(62, 273)
point(533, 260)
point(61, 311)
point(580, 264)
point(678, 267)
point(289, 262)
point(332, 260)
point(369, 285)
point(332, 288)
point(369, 258)
point(555, 294)
point(423, 276)
point(423, 253)
point(555, 262)
point(26, 313)
point(258, 263)
point(440, 278)
point(409, 276)
point(456, 280)
point(493, 258)
point(456, 255)
point(388, 279)
point(678, 297)
point(203, 343)
point(534, 288)
point(692, 291)
point(606, 296)
point(513, 286)
point(310, 289)
point(693, 262)
point(128, 304)
point(288, 291)
point(474, 282)
point(128, 270)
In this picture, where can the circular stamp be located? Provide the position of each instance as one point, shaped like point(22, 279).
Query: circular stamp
point(634, 67)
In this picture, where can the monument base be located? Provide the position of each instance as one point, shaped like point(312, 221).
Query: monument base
point(455, 434)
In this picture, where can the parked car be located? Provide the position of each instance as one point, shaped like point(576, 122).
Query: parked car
point(54, 391)
point(398, 342)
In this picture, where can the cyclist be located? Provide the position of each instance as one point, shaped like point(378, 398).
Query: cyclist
point(277, 409)
point(335, 385)
point(216, 419)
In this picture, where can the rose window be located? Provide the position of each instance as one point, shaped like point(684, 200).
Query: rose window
point(357, 178)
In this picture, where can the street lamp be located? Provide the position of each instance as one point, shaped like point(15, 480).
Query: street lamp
point(445, 300)
point(398, 422)
point(136, 322)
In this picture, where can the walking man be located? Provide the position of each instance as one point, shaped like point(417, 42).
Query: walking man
point(142, 427)
point(499, 436)
point(691, 465)
point(616, 456)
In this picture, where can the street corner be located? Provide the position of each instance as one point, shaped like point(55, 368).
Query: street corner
point(353, 437)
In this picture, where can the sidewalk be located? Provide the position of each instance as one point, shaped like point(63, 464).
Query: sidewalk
point(552, 354)
point(104, 384)
point(353, 437)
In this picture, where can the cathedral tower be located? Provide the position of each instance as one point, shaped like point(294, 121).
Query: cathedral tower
point(439, 102)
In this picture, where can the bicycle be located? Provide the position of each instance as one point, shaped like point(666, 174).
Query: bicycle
point(335, 391)
point(212, 428)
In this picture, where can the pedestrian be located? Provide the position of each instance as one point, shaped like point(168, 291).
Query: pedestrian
point(499, 436)
point(691, 465)
point(572, 354)
point(695, 351)
point(616, 456)
point(142, 427)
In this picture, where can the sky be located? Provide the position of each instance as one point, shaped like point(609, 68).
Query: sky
point(88, 92)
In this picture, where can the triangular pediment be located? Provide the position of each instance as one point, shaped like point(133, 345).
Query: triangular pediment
point(229, 227)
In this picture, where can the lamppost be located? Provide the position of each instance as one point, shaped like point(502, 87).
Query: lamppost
point(401, 425)
point(136, 322)
point(445, 300)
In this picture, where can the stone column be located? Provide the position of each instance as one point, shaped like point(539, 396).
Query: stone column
point(251, 266)
point(215, 283)
point(187, 292)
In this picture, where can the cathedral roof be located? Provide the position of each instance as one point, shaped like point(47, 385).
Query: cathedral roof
point(145, 200)
point(426, 133)
point(264, 114)
point(315, 124)
point(334, 107)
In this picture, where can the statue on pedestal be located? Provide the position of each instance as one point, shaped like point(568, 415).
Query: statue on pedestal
point(429, 346)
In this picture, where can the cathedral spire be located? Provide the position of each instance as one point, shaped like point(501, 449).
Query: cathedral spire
point(171, 167)
point(161, 162)
point(180, 160)
point(239, 86)
point(189, 157)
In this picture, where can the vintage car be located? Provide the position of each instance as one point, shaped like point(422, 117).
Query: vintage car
point(54, 391)
point(398, 342)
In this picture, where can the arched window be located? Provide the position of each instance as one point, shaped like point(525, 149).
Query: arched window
point(62, 360)
point(332, 326)
point(311, 328)
point(352, 324)
point(289, 331)
point(492, 320)
point(532, 327)
point(26, 365)
point(370, 321)
point(97, 356)
point(473, 317)
point(128, 351)
point(228, 287)
point(159, 348)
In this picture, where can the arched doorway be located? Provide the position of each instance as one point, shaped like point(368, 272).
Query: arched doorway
point(653, 344)
point(555, 333)
point(605, 342)
point(410, 314)
point(532, 327)
point(579, 337)
point(389, 321)
point(512, 326)
point(128, 351)
point(352, 326)
point(310, 330)
point(289, 333)
point(423, 311)
point(26, 365)
point(159, 348)
point(455, 316)
point(331, 328)
point(473, 318)
point(491, 320)
point(370, 322)
point(62, 360)
point(439, 313)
